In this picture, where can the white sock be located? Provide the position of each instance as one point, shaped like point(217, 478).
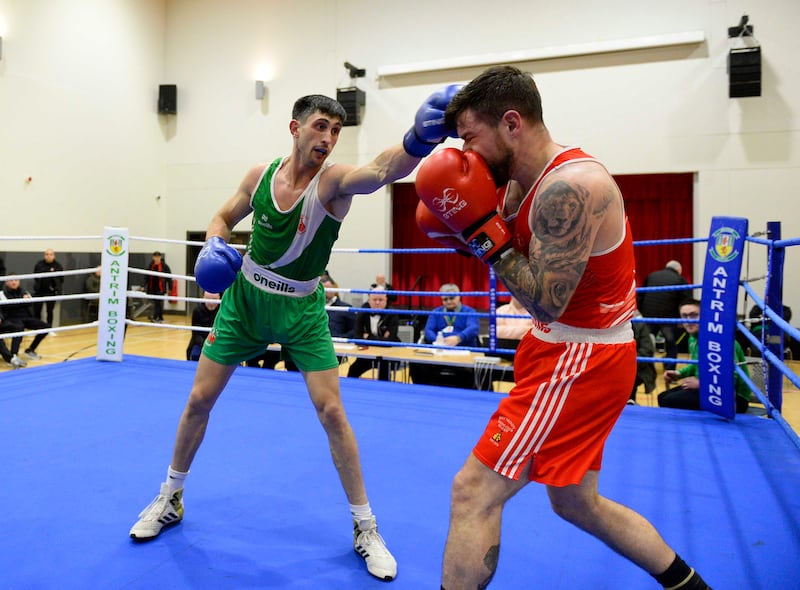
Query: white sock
point(175, 479)
point(361, 513)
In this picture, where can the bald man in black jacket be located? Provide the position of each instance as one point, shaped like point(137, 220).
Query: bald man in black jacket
point(665, 304)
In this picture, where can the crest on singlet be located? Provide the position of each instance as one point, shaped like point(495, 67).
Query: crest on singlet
point(295, 243)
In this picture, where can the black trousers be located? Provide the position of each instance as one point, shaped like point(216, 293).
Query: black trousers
point(670, 332)
point(4, 352)
point(443, 375)
point(362, 365)
point(29, 324)
point(158, 307)
point(194, 347)
point(7, 327)
point(268, 359)
point(49, 305)
point(689, 399)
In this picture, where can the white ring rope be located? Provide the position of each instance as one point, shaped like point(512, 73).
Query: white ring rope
point(48, 330)
point(24, 300)
point(55, 273)
point(166, 297)
point(174, 326)
point(142, 295)
point(154, 273)
point(47, 238)
point(181, 242)
point(167, 241)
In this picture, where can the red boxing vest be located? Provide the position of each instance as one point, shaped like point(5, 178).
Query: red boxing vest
point(606, 294)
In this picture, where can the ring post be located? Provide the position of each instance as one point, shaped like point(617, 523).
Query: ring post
point(774, 299)
point(715, 340)
point(492, 310)
point(113, 294)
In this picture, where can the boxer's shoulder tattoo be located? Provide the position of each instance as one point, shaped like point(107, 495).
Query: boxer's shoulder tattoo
point(563, 217)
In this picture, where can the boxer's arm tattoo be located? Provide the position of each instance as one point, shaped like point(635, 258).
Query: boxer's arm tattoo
point(563, 220)
point(517, 275)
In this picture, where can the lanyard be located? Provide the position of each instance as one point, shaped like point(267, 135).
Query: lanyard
point(450, 320)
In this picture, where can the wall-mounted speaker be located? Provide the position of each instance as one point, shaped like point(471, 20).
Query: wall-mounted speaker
point(167, 99)
point(744, 72)
point(352, 99)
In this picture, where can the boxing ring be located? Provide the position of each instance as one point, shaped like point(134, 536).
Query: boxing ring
point(85, 443)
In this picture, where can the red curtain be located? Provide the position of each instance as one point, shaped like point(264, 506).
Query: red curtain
point(428, 272)
point(659, 206)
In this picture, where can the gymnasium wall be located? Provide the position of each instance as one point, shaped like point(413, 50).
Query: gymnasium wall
point(79, 80)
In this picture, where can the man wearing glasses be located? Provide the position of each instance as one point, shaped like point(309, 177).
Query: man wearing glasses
point(686, 393)
point(448, 325)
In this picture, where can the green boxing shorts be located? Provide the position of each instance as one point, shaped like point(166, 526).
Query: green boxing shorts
point(250, 319)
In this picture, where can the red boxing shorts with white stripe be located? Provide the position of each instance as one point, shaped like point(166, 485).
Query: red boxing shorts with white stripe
point(567, 398)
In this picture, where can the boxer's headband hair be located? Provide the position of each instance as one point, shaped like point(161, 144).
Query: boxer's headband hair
point(308, 105)
point(494, 92)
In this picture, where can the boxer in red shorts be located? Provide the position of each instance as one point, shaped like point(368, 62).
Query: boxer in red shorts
point(557, 235)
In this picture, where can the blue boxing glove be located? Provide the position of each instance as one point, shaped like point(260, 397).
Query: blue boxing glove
point(429, 129)
point(217, 265)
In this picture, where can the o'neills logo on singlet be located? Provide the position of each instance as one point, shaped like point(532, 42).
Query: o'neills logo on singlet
point(272, 284)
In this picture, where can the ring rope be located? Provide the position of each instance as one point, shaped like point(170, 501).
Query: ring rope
point(55, 273)
point(143, 295)
point(786, 242)
point(166, 241)
point(668, 242)
point(768, 355)
point(769, 312)
point(669, 288)
point(415, 293)
point(394, 251)
point(50, 237)
point(130, 322)
point(48, 330)
point(154, 273)
point(774, 243)
point(754, 238)
point(32, 299)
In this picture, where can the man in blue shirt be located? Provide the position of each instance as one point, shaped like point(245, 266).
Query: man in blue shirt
point(448, 325)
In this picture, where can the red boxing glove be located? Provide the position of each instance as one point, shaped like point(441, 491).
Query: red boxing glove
point(437, 230)
point(459, 190)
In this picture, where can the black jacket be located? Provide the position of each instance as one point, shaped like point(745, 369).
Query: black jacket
point(48, 285)
point(7, 326)
point(158, 285)
point(663, 304)
point(20, 310)
point(387, 323)
point(341, 323)
point(645, 346)
point(201, 316)
point(204, 317)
